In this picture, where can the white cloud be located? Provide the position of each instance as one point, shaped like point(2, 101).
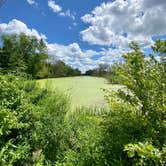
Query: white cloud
point(59, 10)
point(67, 13)
point(54, 7)
point(32, 2)
point(72, 54)
point(111, 55)
point(122, 21)
point(16, 27)
point(154, 3)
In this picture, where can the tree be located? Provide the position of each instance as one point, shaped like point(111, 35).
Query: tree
point(102, 69)
point(60, 69)
point(21, 53)
point(10, 57)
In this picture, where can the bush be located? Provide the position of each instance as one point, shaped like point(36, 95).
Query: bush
point(31, 122)
point(146, 154)
point(137, 111)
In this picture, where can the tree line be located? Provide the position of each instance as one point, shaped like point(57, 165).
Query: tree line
point(27, 54)
point(106, 71)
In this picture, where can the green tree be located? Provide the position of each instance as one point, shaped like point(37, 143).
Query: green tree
point(10, 57)
point(21, 53)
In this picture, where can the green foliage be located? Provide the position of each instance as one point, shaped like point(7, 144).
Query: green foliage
point(138, 110)
point(82, 143)
point(31, 122)
point(60, 69)
point(100, 71)
point(54, 109)
point(21, 53)
point(145, 154)
point(16, 122)
point(37, 126)
point(112, 75)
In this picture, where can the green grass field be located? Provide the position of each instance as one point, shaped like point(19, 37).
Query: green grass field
point(84, 90)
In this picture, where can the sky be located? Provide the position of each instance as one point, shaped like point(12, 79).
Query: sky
point(85, 33)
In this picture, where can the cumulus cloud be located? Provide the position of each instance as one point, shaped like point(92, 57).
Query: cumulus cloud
point(154, 4)
point(54, 7)
point(73, 55)
point(119, 22)
point(16, 27)
point(72, 50)
point(111, 55)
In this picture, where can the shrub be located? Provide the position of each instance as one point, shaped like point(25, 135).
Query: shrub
point(137, 110)
point(31, 122)
point(145, 154)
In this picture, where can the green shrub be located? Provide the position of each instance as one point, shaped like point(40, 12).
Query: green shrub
point(31, 122)
point(146, 154)
point(138, 110)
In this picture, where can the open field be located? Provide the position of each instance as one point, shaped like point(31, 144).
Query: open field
point(84, 90)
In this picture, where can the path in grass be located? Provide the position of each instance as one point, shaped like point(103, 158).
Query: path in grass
point(84, 91)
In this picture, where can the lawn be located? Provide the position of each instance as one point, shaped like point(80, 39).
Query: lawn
point(84, 90)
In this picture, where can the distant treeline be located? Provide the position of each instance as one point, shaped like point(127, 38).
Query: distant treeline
point(25, 54)
point(100, 71)
point(107, 71)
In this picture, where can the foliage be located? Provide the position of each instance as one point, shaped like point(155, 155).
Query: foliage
point(31, 121)
point(106, 71)
point(100, 71)
point(137, 110)
point(112, 74)
point(60, 69)
point(83, 135)
point(21, 53)
point(146, 154)
point(37, 127)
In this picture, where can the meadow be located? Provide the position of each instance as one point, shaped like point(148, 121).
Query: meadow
point(83, 91)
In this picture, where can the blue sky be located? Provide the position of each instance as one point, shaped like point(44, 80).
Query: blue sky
point(57, 28)
point(84, 33)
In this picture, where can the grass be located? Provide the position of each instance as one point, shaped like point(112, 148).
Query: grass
point(84, 91)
